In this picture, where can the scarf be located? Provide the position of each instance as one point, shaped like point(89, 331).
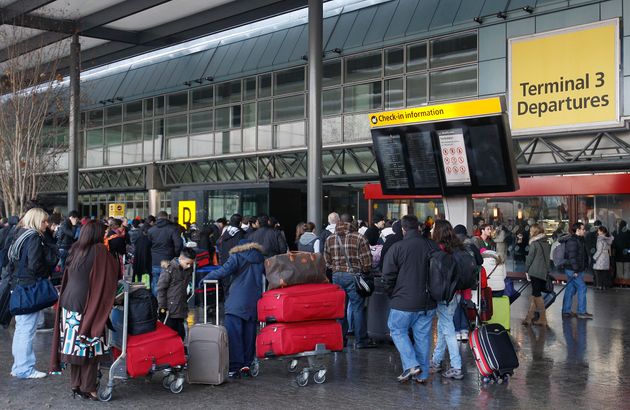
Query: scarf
point(16, 246)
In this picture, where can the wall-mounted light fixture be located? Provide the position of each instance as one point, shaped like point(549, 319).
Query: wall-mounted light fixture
point(528, 9)
point(188, 83)
point(209, 78)
point(519, 214)
point(502, 15)
point(436, 211)
point(495, 212)
point(478, 20)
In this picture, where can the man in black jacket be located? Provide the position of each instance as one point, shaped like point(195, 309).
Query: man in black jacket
point(373, 233)
point(166, 243)
point(405, 280)
point(66, 234)
point(621, 249)
point(267, 236)
point(577, 257)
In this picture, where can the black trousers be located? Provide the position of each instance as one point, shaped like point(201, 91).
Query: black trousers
point(178, 326)
point(84, 376)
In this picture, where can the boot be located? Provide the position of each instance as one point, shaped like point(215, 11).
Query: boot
point(540, 307)
point(530, 313)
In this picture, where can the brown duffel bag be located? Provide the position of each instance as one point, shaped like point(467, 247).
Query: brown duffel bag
point(295, 268)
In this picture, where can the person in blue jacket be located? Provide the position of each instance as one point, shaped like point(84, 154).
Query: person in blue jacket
point(245, 265)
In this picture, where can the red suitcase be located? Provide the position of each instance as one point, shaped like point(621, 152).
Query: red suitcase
point(162, 346)
point(283, 339)
point(302, 303)
point(480, 359)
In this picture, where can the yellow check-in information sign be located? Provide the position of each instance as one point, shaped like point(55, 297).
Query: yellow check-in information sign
point(441, 112)
point(116, 210)
point(186, 213)
point(565, 79)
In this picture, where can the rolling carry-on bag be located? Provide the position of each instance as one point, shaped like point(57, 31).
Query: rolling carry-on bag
point(284, 339)
point(493, 351)
point(208, 354)
point(302, 303)
point(378, 312)
point(162, 347)
point(501, 311)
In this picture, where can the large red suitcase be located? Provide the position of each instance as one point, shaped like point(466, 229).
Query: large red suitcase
point(302, 303)
point(162, 346)
point(282, 339)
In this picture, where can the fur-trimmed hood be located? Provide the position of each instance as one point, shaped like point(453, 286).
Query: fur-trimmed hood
point(536, 238)
point(244, 247)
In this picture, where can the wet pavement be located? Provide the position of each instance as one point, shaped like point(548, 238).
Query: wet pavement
point(577, 364)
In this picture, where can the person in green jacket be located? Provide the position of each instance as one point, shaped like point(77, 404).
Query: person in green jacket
point(537, 267)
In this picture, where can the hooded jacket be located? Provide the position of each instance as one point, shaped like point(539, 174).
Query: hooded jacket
point(621, 244)
point(66, 234)
point(268, 238)
point(165, 241)
point(537, 259)
point(391, 239)
point(229, 239)
point(601, 258)
point(246, 268)
point(575, 252)
point(172, 287)
point(309, 242)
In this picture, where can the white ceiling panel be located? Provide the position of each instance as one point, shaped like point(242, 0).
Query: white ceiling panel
point(74, 9)
point(165, 13)
point(4, 3)
point(10, 35)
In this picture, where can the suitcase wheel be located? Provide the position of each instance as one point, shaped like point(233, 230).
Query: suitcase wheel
point(320, 376)
point(177, 385)
point(167, 380)
point(292, 367)
point(302, 378)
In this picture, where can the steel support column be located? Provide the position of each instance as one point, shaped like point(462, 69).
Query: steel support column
point(314, 173)
point(73, 138)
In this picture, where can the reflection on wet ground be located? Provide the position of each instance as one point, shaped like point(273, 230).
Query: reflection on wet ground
point(575, 364)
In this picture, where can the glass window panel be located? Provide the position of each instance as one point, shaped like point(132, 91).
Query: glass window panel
point(202, 97)
point(177, 125)
point(362, 97)
point(158, 137)
point(289, 108)
point(331, 73)
point(331, 130)
point(454, 50)
point(177, 147)
point(95, 138)
point(363, 67)
point(201, 144)
point(355, 128)
point(289, 81)
point(455, 83)
point(218, 142)
point(249, 139)
point(132, 132)
point(290, 134)
point(200, 122)
point(147, 138)
point(249, 88)
point(133, 110)
point(113, 141)
point(264, 112)
point(222, 118)
point(95, 118)
point(148, 107)
point(229, 92)
point(236, 116)
point(394, 93)
point(249, 115)
point(331, 101)
point(394, 61)
point(265, 137)
point(264, 85)
point(177, 102)
point(133, 142)
point(416, 90)
point(235, 141)
point(113, 115)
point(159, 105)
point(417, 57)
point(94, 157)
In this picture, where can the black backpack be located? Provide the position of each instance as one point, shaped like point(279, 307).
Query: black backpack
point(442, 275)
point(142, 312)
point(467, 269)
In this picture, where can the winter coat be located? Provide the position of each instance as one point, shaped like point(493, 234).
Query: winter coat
point(245, 266)
point(372, 234)
point(166, 242)
point(229, 239)
point(601, 257)
point(621, 245)
point(397, 236)
point(309, 242)
point(36, 265)
point(575, 253)
point(142, 254)
point(537, 260)
point(172, 289)
point(495, 269)
point(66, 233)
point(268, 238)
point(405, 273)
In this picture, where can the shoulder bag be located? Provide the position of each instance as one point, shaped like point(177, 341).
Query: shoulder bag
point(364, 284)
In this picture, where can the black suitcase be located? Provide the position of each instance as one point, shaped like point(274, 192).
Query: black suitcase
point(378, 312)
point(498, 349)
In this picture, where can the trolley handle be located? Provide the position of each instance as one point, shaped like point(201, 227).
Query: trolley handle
point(205, 299)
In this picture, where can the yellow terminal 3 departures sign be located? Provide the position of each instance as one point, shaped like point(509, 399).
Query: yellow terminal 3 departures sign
point(565, 80)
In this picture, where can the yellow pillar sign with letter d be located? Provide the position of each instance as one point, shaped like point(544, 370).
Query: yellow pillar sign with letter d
point(187, 213)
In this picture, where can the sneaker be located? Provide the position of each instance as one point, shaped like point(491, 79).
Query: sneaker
point(458, 336)
point(420, 380)
point(234, 375)
point(585, 315)
point(453, 373)
point(464, 335)
point(37, 375)
point(408, 374)
point(245, 371)
point(13, 374)
point(567, 314)
point(435, 367)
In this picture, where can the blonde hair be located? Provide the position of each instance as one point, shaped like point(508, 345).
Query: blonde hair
point(535, 229)
point(33, 219)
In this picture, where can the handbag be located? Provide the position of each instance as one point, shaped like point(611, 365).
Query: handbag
point(549, 284)
point(364, 284)
point(26, 299)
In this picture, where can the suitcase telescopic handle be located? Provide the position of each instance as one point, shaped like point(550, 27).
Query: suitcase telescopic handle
point(205, 299)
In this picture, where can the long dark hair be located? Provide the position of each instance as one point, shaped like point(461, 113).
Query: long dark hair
point(91, 234)
point(443, 234)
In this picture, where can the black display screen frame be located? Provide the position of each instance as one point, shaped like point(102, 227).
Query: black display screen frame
point(507, 165)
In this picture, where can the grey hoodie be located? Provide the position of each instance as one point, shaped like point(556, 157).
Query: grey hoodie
point(601, 258)
point(306, 239)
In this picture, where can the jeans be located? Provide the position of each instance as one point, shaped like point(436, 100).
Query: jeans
point(63, 254)
point(416, 354)
point(460, 320)
point(574, 285)
point(446, 333)
point(155, 276)
point(23, 355)
point(241, 341)
point(356, 304)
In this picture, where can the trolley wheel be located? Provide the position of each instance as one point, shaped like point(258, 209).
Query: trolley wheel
point(105, 395)
point(254, 369)
point(292, 367)
point(167, 380)
point(320, 376)
point(302, 378)
point(485, 380)
point(177, 386)
point(505, 378)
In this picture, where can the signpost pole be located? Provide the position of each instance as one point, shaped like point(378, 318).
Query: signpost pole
point(314, 174)
point(458, 210)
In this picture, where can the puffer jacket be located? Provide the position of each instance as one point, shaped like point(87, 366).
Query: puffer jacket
point(245, 266)
point(601, 257)
point(575, 252)
point(537, 259)
point(495, 269)
point(172, 287)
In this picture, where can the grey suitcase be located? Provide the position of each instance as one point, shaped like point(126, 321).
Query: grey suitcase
point(208, 354)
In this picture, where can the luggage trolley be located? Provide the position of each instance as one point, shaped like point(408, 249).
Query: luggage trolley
point(173, 380)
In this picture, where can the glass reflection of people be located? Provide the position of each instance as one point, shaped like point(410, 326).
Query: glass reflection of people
point(575, 337)
point(538, 377)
